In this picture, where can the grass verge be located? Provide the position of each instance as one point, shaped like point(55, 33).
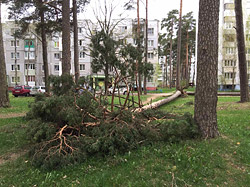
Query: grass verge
point(224, 161)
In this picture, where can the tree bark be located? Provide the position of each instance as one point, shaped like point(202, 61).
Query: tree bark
point(244, 89)
point(160, 103)
point(76, 50)
point(187, 67)
point(178, 63)
point(146, 50)
point(66, 37)
point(205, 114)
point(4, 95)
point(44, 49)
point(170, 54)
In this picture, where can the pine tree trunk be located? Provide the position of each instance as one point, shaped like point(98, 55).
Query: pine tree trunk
point(186, 68)
point(178, 63)
point(4, 95)
point(66, 37)
point(207, 69)
point(170, 55)
point(76, 51)
point(244, 89)
point(146, 51)
point(44, 49)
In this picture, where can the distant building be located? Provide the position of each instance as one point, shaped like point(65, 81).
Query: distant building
point(29, 60)
point(228, 70)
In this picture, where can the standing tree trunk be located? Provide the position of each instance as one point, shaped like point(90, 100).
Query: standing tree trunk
point(4, 95)
point(187, 67)
point(244, 90)
point(66, 37)
point(138, 79)
point(44, 49)
point(146, 50)
point(178, 63)
point(76, 51)
point(207, 69)
point(170, 54)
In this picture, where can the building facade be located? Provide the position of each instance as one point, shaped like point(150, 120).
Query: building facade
point(228, 69)
point(26, 54)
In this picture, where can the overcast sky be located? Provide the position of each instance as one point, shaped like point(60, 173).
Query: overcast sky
point(158, 9)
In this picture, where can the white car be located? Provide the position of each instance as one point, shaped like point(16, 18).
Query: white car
point(37, 89)
point(122, 90)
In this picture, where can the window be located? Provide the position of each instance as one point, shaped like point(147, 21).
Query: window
point(230, 50)
point(13, 55)
point(29, 44)
point(151, 43)
point(123, 29)
point(13, 67)
point(248, 50)
point(57, 56)
point(30, 66)
point(56, 67)
point(230, 62)
point(228, 6)
point(29, 55)
point(81, 42)
point(30, 78)
point(80, 30)
point(229, 25)
point(56, 44)
point(150, 31)
point(12, 43)
point(82, 67)
point(13, 79)
point(229, 75)
point(81, 54)
point(150, 55)
point(229, 37)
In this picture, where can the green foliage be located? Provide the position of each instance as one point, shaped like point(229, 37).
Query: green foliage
point(69, 128)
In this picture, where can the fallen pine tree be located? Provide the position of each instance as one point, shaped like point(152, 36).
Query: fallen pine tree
point(69, 128)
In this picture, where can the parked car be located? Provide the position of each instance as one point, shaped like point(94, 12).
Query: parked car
point(122, 90)
point(37, 89)
point(21, 91)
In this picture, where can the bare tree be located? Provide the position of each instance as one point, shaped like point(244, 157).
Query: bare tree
point(205, 114)
point(244, 89)
point(4, 96)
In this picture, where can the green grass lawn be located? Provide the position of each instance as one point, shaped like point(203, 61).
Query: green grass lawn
point(224, 161)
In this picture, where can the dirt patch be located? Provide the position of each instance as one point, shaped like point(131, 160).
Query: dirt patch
point(12, 115)
point(11, 157)
point(234, 106)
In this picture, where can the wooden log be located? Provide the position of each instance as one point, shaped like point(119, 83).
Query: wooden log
point(159, 103)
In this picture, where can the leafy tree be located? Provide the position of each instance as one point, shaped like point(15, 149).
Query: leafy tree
point(244, 88)
point(207, 69)
point(4, 95)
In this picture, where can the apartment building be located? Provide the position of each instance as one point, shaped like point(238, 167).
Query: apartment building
point(28, 59)
point(228, 70)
